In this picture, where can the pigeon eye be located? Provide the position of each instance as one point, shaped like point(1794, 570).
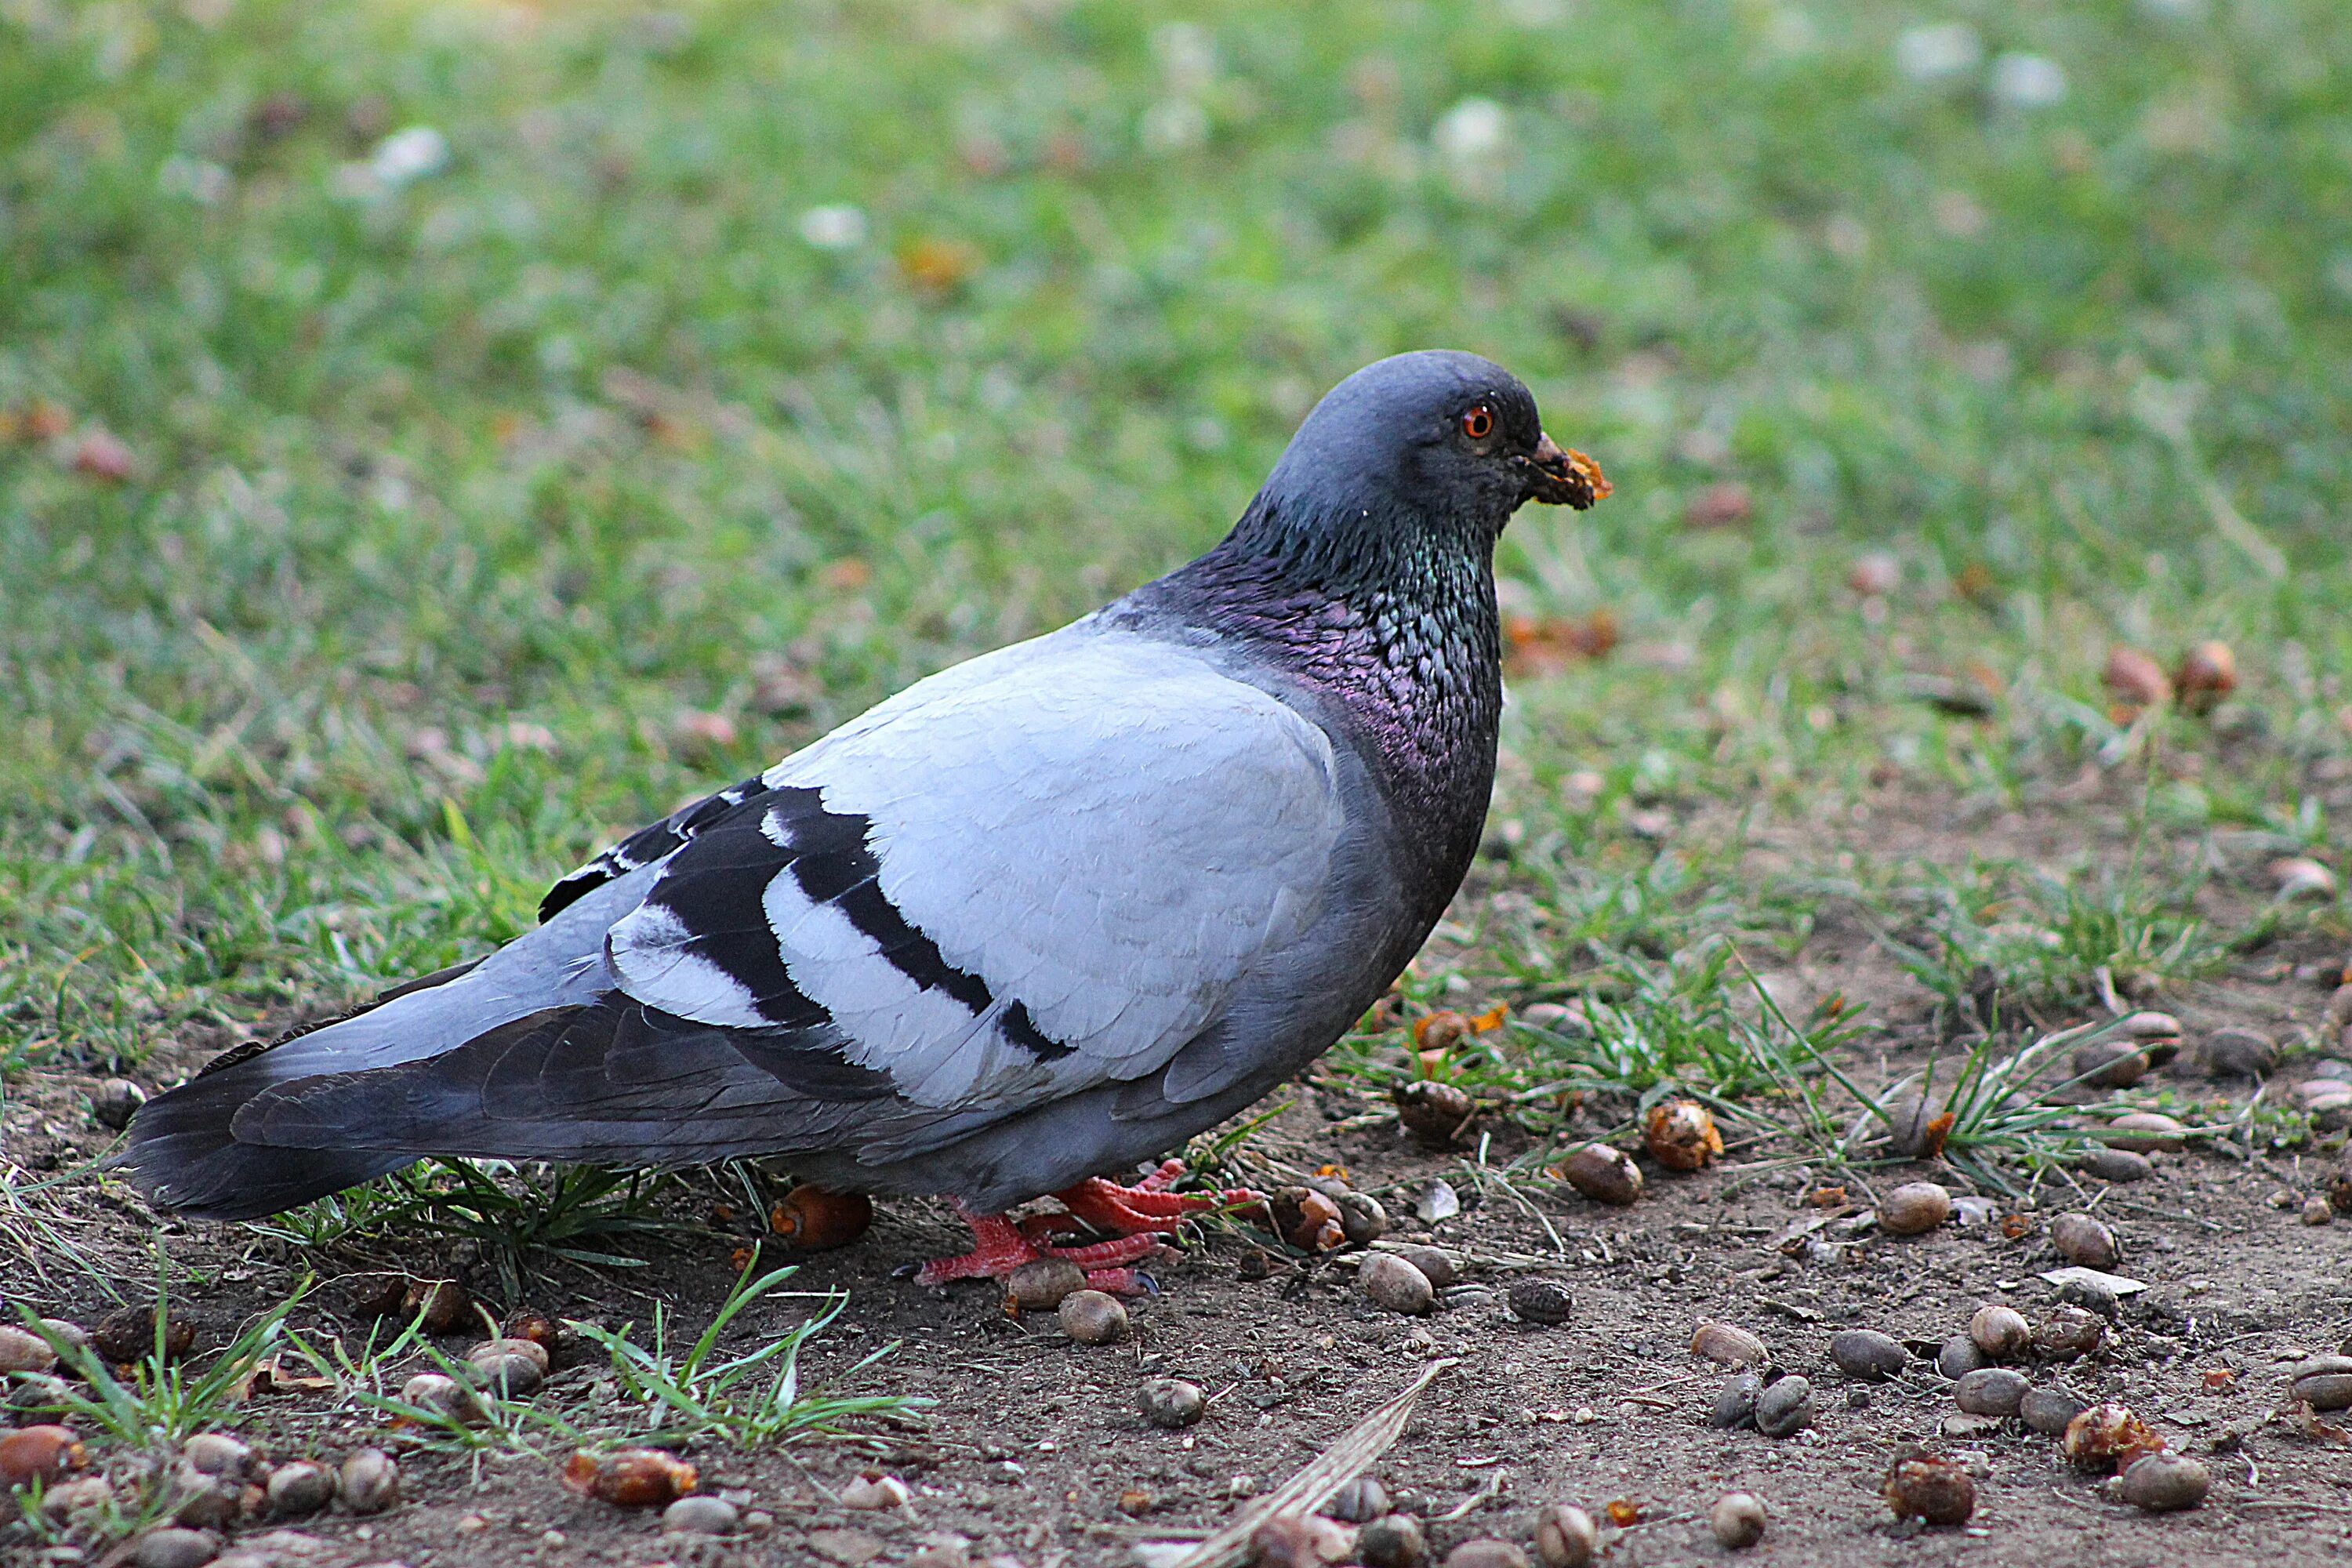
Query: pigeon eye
point(1479, 422)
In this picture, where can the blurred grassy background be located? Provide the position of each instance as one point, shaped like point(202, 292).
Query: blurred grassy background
point(435, 435)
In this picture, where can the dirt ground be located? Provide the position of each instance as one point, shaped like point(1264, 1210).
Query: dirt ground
point(1033, 1447)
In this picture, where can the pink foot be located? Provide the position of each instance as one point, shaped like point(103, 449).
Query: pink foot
point(1001, 1248)
point(1147, 1207)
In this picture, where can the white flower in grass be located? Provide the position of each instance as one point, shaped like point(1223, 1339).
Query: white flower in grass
point(1472, 132)
point(1938, 52)
point(834, 227)
point(2028, 82)
point(408, 155)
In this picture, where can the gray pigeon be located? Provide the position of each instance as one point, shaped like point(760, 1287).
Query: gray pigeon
point(1044, 915)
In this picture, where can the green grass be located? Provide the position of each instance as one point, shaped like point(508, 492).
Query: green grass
point(458, 509)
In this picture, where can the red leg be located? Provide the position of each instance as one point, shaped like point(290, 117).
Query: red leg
point(1001, 1248)
point(1148, 1206)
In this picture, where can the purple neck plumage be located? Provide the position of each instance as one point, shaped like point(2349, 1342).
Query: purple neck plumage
point(1396, 627)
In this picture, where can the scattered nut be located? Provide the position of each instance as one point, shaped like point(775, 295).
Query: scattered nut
point(172, 1547)
point(1391, 1283)
point(1604, 1174)
point(130, 1335)
point(1737, 1520)
point(1681, 1135)
point(1931, 1489)
point(1171, 1402)
point(1435, 1262)
point(2084, 1241)
point(2108, 1437)
point(2109, 1064)
point(2048, 1410)
point(1359, 1501)
point(2301, 877)
point(514, 1368)
point(1727, 1345)
point(1913, 1208)
point(2067, 1333)
point(1040, 1285)
point(701, 1515)
point(1735, 1402)
point(1960, 1356)
point(630, 1477)
point(1486, 1551)
point(23, 1351)
point(1300, 1541)
point(300, 1488)
point(40, 1454)
point(2208, 673)
point(369, 1481)
point(876, 1493)
point(2316, 1210)
point(2165, 1483)
point(2146, 1131)
point(2324, 1383)
point(1435, 1113)
point(1785, 1407)
point(1544, 1302)
point(1306, 1219)
point(442, 1398)
point(1393, 1541)
point(2135, 680)
point(2000, 1332)
point(815, 1219)
point(217, 1453)
point(114, 1102)
point(2117, 1165)
point(1092, 1317)
point(1363, 1218)
point(1566, 1537)
point(1867, 1355)
point(1990, 1391)
point(2239, 1053)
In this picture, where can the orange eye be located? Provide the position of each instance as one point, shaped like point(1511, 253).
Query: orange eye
point(1479, 423)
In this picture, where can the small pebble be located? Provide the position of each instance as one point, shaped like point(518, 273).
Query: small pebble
point(175, 1547)
point(1734, 1401)
point(1991, 1391)
point(1391, 1283)
point(2144, 1131)
point(301, 1487)
point(2117, 1165)
point(1737, 1520)
point(2165, 1483)
point(1960, 1356)
point(875, 1494)
point(1171, 1402)
point(1039, 1286)
point(369, 1481)
point(2239, 1053)
point(1785, 1407)
point(2317, 1210)
point(1092, 1317)
point(1391, 1541)
point(1604, 1174)
point(115, 1101)
point(1359, 1501)
point(2084, 1241)
point(1486, 1551)
point(702, 1515)
point(2049, 1410)
point(2000, 1332)
point(1727, 1345)
point(1867, 1355)
point(1931, 1489)
point(1566, 1537)
point(1542, 1301)
point(1915, 1208)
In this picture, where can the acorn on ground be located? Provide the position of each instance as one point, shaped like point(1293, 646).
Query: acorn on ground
point(1931, 1489)
point(2084, 1241)
point(1172, 1402)
point(2107, 1437)
point(2165, 1482)
point(1737, 1520)
point(1727, 1344)
point(1566, 1537)
point(2000, 1332)
point(1092, 1317)
point(1681, 1135)
point(1390, 1282)
point(815, 1219)
point(369, 1481)
point(1391, 1541)
point(1915, 1208)
point(630, 1477)
point(1435, 1113)
point(1604, 1174)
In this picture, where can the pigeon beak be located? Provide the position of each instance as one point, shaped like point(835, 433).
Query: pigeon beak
point(1563, 476)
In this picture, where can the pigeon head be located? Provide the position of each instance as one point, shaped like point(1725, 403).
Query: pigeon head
point(1436, 442)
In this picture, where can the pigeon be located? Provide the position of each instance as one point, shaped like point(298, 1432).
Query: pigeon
point(1036, 921)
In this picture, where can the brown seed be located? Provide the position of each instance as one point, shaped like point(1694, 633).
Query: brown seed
point(2324, 1383)
point(69, 1497)
point(1959, 1356)
point(23, 1351)
point(1867, 1356)
point(1393, 1541)
point(2049, 1410)
point(1990, 1391)
point(2145, 1131)
point(630, 1477)
point(2116, 1164)
point(2239, 1053)
point(2068, 1334)
point(1785, 1407)
point(514, 1368)
point(2084, 1241)
point(1544, 1302)
point(201, 1501)
point(2109, 1064)
point(1435, 1113)
point(439, 1303)
point(1306, 1219)
point(1363, 1218)
point(1728, 1346)
point(217, 1453)
point(369, 1481)
point(1171, 1402)
point(1931, 1489)
point(1735, 1402)
point(2208, 673)
point(1299, 1541)
point(2107, 1437)
point(1433, 1261)
point(1737, 1520)
point(701, 1515)
point(1915, 1207)
point(1564, 1537)
point(174, 1547)
point(2135, 680)
point(442, 1398)
point(128, 1335)
point(1392, 1283)
point(1039, 1285)
point(1359, 1501)
point(2316, 1210)
point(2000, 1332)
point(814, 1219)
point(1604, 1174)
point(1486, 1551)
point(876, 1493)
point(115, 1101)
point(1092, 1317)
point(39, 1452)
point(2165, 1483)
point(301, 1487)
point(1681, 1135)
